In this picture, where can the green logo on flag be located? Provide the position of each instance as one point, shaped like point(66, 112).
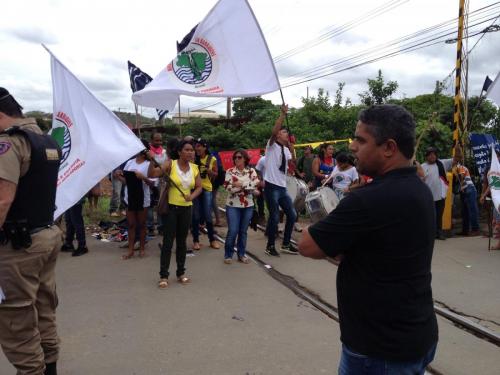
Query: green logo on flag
point(494, 182)
point(194, 65)
point(60, 132)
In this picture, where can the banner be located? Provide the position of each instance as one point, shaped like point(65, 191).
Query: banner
point(226, 157)
point(494, 179)
point(93, 140)
point(227, 56)
point(494, 91)
point(481, 147)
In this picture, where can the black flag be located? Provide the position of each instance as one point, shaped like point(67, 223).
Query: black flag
point(186, 40)
point(487, 83)
point(138, 80)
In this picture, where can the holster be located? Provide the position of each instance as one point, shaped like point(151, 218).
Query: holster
point(17, 233)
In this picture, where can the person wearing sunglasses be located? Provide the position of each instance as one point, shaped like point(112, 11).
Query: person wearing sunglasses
point(241, 183)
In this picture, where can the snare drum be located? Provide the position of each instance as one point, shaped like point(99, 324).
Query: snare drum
point(320, 203)
point(297, 190)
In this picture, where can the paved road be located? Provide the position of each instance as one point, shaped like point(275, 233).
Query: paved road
point(230, 320)
point(235, 319)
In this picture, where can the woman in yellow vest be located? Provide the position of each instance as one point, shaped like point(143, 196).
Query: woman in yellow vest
point(202, 207)
point(185, 186)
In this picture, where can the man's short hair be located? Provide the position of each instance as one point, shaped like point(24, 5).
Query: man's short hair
point(389, 121)
point(9, 105)
point(431, 150)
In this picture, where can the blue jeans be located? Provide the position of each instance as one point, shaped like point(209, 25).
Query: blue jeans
point(470, 211)
point(202, 212)
point(238, 220)
point(276, 197)
point(75, 225)
point(116, 203)
point(150, 219)
point(352, 363)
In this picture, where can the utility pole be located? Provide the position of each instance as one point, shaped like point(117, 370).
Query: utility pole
point(458, 124)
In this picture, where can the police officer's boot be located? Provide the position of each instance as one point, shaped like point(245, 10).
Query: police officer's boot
point(50, 368)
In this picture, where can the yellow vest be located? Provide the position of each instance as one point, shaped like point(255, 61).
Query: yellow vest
point(205, 182)
point(174, 195)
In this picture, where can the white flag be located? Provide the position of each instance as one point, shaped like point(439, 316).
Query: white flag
point(93, 140)
point(226, 57)
point(494, 91)
point(494, 178)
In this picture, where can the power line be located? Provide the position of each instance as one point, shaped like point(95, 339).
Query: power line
point(197, 108)
point(335, 31)
point(369, 56)
point(377, 49)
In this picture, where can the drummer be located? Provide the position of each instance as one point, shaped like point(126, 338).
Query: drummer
point(344, 175)
point(279, 152)
point(323, 165)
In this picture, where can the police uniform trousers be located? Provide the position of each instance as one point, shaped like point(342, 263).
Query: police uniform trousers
point(28, 333)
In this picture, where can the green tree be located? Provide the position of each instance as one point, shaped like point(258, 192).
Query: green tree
point(378, 91)
point(246, 108)
point(339, 96)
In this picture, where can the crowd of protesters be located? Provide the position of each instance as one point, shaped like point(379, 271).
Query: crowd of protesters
point(193, 175)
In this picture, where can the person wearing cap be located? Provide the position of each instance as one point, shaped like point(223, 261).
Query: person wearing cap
point(159, 154)
point(202, 206)
point(435, 178)
point(29, 241)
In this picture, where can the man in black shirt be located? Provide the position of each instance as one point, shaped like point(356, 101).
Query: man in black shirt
point(384, 232)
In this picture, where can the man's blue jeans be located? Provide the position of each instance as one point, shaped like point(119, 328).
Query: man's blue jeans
point(470, 211)
point(276, 197)
point(352, 363)
point(238, 220)
point(202, 211)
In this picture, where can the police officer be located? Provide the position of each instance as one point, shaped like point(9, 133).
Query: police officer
point(29, 242)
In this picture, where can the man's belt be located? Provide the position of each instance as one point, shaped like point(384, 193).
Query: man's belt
point(19, 233)
point(39, 229)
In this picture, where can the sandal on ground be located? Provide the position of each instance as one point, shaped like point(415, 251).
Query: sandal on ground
point(142, 254)
point(244, 259)
point(497, 247)
point(183, 279)
point(163, 283)
point(196, 246)
point(215, 245)
point(127, 256)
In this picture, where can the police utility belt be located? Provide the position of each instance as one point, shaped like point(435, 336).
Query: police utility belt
point(19, 233)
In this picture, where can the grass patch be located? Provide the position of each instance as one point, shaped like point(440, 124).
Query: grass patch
point(95, 216)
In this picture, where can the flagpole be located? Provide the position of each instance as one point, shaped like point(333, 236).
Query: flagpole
point(180, 127)
point(490, 224)
point(479, 102)
point(137, 119)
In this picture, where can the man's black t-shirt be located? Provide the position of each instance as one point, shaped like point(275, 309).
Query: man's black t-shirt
point(385, 230)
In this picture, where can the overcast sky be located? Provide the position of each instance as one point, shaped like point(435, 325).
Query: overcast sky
point(95, 38)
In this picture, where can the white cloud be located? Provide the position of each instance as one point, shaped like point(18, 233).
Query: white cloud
point(95, 38)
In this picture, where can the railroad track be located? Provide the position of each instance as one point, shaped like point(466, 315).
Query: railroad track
point(332, 311)
point(302, 292)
